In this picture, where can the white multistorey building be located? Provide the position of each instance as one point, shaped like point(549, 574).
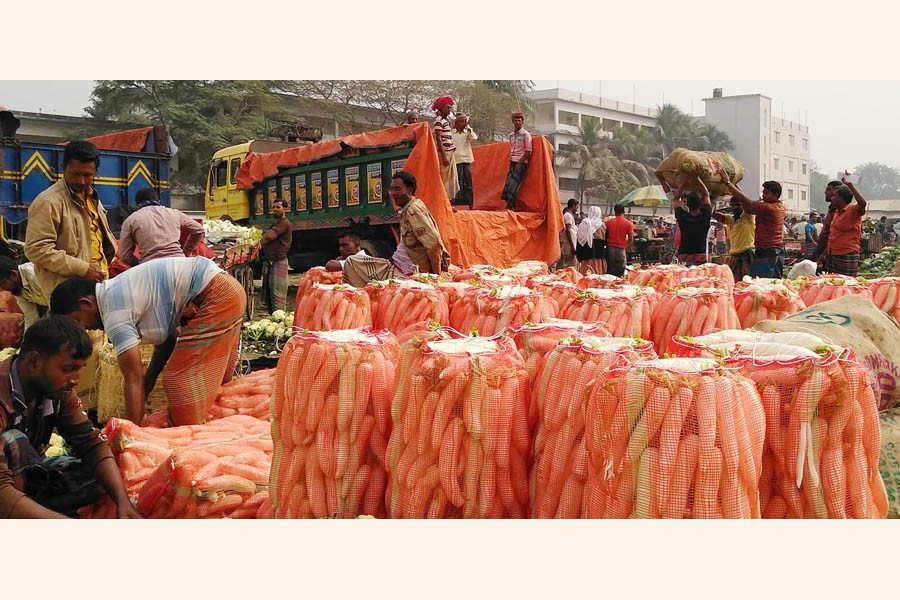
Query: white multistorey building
point(769, 147)
point(559, 113)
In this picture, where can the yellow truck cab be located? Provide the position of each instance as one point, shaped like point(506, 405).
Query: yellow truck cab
point(223, 200)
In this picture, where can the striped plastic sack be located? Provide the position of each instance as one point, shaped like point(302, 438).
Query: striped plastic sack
point(328, 307)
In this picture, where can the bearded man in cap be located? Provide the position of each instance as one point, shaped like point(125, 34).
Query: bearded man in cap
point(443, 138)
point(519, 155)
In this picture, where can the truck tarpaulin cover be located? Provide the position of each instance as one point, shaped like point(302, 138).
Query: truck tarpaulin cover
point(514, 236)
point(133, 140)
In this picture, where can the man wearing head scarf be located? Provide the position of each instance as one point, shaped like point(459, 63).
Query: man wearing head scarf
point(463, 136)
point(443, 139)
point(519, 155)
point(591, 243)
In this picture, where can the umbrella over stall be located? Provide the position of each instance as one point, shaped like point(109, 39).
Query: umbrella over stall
point(651, 195)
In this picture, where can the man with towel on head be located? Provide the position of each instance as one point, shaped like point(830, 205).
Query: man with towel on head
point(443, 139)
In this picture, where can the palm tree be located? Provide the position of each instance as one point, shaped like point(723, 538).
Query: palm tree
point(676, 129)
point(639, 151)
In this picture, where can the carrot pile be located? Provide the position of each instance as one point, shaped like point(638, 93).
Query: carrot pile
point(331, 423)
point(659, 277)
point(673, 438)
point(401, 303)
point(573, 370)
point(490, 311)
point(690, 312)
point(601, 281)
point(885, 295)
point(814, 290)
point(755, 302)
point(570, 274)
point(536, 341)
point(454, 292)
point(328, 307)
point(711, 270)
point(461, 439)
point(560, 292)
point(624, 311)
point(247, 395)
point(315, 275)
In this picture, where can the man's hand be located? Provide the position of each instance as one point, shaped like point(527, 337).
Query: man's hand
point(126, 510)
point(723, 175)
point(95, 273)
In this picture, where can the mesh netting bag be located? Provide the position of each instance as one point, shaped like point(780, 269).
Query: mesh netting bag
point(572, 370)
point(490, 311)
point(885, 295)
point(673, 438)
point(461, 439)
point(473, 273)
point(690, 312)
point(723, 344)
point(822, 434)
point(527, 268)
point(313, 276)
point(401, 303)
point(570, 274)
point(560, 292)
point(624, 311)
point(601, 282)
point(721, 273)
point(659, 277)
point(331, 419)
point(327, 307)
point(815, 290)
point(756, 301)
point(704, 283)
point(536, 340)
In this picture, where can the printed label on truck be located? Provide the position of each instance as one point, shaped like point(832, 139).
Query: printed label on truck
point(258, 202)
point(286, 192)
point(273, 193)
point(334, 189)
point(373, 172)
point(351, 184)
point(397, 165)
point(300, 189)
point(316, 191)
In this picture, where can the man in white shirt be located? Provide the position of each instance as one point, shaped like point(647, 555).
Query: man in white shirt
point(348, 245)
point(567, 237)
point(463, 136)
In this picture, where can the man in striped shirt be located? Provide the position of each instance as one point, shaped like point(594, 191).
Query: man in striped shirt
point(443, 139)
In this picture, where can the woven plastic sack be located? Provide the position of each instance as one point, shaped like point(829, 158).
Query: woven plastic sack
point(461, 441)
point(331, 420)
point(885, 295)
point(677, 167)
point(691, 312)
point(536, 340)
point(490, 311)
point(315, 275)
point(110, 385)
point(755, 302)
point(673, 438)
point(330, 307)
point(401, 303)
point(573, 369)
point(624, 311)
point(659, 277)
point(560, 292)
point(822, 436)
point(815, 290)
point(730, 342)
point(889, 462)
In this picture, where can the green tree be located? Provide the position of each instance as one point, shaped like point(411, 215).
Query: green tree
point(677, 129)
point(878, 181)
point(817, 183)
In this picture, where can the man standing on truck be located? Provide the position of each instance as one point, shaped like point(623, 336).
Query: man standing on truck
point(463, 136)
point(420, 249)
point(156, 231)
point(519, 155)
point(443, 138)
point(275, 245)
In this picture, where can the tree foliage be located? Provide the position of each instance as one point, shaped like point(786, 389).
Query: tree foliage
point(817, 183)
point(878, 181)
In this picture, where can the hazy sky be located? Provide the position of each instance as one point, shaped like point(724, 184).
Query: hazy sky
point(850, 122)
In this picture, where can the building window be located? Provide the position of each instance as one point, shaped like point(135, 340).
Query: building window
point(805, 144)
point(777, 137)
point(568, 118)
point(568, 147)
point(776, 164)
point(791, 140)
point(803, 195)
point(790, 166)
point(803, 168)
point(790, 194)
point(568, 184)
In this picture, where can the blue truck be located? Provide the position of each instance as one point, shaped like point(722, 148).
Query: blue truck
point(129, 161)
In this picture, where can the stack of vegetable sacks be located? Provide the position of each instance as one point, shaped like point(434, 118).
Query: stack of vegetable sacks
point(711, 270)
point(814, 290)
point(331, 422)
point(600, 282)
point(398, 304)
point(885, 295)
point(673, 438)
point(624, 310)
point(691, 312)
point(315, 275)
point(490, 311)
point(560, 292)
point(461, 438)
point(659, 277)
point(757, 301)
point(327, 307)
point(536, 341)
point(573, 369)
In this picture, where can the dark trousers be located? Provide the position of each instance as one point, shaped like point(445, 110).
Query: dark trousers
point(513, 180)
point(464, 196)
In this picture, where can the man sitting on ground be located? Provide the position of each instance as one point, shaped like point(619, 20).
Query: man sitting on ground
point(348, 245)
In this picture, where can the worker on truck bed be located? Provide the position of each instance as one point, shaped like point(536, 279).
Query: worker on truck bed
point(37, 395)
point(348, 245)
point(274, 248)
point(156, 231)
point(421, 248)
point(443, 139)
point(188, 308)
point(519, 155)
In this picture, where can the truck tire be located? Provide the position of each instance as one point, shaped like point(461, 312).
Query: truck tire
point(304, 261)
point(379, 248)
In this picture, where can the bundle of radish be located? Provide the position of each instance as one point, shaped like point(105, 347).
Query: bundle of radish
point(624, 311)
point(758, 301)
point(423, 330)
point(454, 291)
point(601, 282)
point(704, 283)
point(885, 296)
point(315, 275)
point(327, 307)
point(788, 283)
point(573, 369)
point(560, 292)
point(822, 434)
point(691, 312)
point(536, 340)
point(726, 343)
point(461, 440)
point(474, 273)
point(712, 270)
point(402, 303)
point(490, 311)
point(247, 395)
point(659, 277)
point(814, 290)
point(331, 422)
point(673, 438)
point(570, 274)
point(495, 281)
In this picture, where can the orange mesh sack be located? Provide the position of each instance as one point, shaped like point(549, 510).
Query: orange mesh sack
point(673, 438)
point(490, 311)
point(708, 283)
point(474, 273)
point(461, 440)
point(560, 292)
point(247, 395)
point(522, 271)
point(755, 302)
point(328, 307)
point(11, 328)
point(573, 369)
point(601, 282)
point(721, 273)
point(691, 312)
point(315, 275)
point(570, 274)
point(659, 277)
point(536, 341)
point(822, 435)
point(455, 292)
point(623, 311)
point(885, 295)
point(402, 303)
point(331, 422)
point(815, 290)
point(424, 330)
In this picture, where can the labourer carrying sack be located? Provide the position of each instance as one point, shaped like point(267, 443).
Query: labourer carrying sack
point(188, 308)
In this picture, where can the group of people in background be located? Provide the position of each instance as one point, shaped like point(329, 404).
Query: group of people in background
point(595, 245)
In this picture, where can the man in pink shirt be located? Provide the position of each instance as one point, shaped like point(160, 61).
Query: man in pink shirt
point(619, 233)
point(156, 231)
point(519, 155)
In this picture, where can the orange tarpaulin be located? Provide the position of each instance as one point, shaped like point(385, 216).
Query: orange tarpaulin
point(257, 167)
point(132, 140)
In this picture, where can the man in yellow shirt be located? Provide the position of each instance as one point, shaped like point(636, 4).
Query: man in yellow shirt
point(741, 231)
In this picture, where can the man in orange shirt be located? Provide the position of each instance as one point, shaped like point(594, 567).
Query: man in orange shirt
point(619, 233)
point(768, 258)
point(846, 225)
